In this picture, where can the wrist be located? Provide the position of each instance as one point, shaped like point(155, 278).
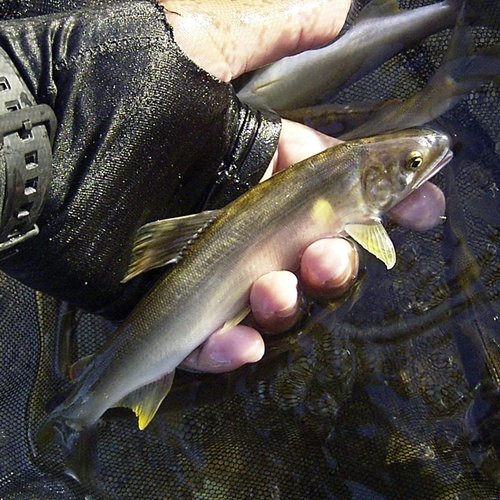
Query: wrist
point(255, 140)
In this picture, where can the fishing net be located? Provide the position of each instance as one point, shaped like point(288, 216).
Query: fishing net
point(373, 397)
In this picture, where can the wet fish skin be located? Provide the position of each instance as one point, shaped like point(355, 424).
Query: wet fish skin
point(451, 83)
point(344, 116)
point(265, 229)
point(380, 32)
point(462, 70)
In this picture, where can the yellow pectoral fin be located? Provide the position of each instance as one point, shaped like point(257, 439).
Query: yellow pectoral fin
point(144, 402)
point(373, 237)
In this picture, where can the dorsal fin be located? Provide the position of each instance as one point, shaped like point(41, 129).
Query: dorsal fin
point(164, 241)
point(463, 63)
point(461, 42)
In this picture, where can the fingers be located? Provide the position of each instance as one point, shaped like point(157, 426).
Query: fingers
point(328, 267)
point(422, 210)
point(274, 300)
point(226, 351)
point(297, 142)
point(228, 38)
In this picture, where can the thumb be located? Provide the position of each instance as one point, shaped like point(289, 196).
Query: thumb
point(228, 37)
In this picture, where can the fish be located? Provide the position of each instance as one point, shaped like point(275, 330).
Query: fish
point(219, 254)
point(462, 70)
point(381, 31)
point(334, 118)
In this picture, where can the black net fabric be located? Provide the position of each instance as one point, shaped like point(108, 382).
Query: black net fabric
point(369, 399)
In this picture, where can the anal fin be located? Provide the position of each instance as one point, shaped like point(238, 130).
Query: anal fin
point(145, 401)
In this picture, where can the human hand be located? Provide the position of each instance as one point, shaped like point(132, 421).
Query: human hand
point(228, 40)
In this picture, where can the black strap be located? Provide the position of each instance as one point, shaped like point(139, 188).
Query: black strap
point(27, 131)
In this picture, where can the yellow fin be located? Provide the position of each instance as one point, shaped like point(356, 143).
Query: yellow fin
point(322, 211)
point(238, 318)
point(145, 401)
point(162, 242)
point(373, 237)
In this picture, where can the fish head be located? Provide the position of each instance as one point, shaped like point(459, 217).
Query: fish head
point(398, 163)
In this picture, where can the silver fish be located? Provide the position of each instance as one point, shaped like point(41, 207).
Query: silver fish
point(380, 32)
point(341, 191)
point(461, 71)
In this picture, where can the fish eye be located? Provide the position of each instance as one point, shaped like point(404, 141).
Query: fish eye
point(414, 160)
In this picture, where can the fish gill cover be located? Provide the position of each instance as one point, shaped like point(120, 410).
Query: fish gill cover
point(393, 401)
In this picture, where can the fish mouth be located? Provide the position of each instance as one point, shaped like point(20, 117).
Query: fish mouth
point(437, 167)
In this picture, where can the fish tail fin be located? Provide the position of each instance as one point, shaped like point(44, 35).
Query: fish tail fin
point(79, 447)
point(470, 72)
point(467, 67)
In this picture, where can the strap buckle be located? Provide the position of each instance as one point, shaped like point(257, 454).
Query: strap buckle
point(24, 119)
point(27, 131)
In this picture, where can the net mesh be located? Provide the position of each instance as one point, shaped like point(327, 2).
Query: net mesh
point(358, 402)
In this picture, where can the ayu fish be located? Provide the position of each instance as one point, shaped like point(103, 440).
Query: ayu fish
point(380, 31)
point(341, 191)
point(462, 70)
